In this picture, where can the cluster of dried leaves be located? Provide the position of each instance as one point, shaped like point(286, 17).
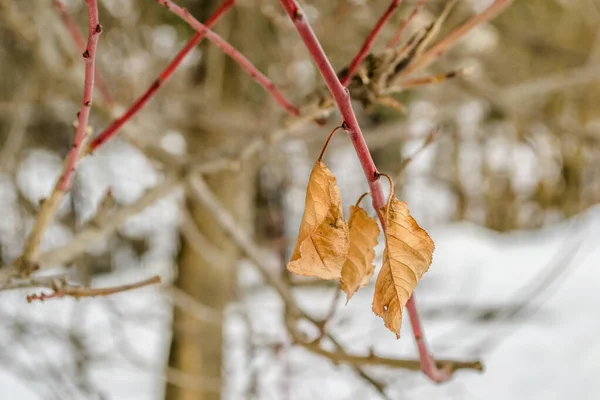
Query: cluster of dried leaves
point(329, 247)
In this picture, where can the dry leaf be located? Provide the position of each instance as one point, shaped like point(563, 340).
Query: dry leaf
point(358, 268)
point(407, 256)
point(323, 239)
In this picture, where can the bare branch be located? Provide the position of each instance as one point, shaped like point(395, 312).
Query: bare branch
point(77, 291)
point(450, 40)
point(233, 53)
point(63, 184)
point(81, 45)
point(160, 81)
point(368, 43)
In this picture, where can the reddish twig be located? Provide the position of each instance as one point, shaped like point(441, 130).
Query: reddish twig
point(340, 95)
point(63, 184)
point(342, 99)
point(78, 292)
point(81, 45)
point(428, 364)
point(184, 14)
point(160, 81)
point(366, 47)
point(443, 45)
point(407, 21)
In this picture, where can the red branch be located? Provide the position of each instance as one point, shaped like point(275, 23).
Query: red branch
point(80, 43)
point(184, 14)
point(412, 15)
point(63, 184)
point(160, 81)
point(89, 58)
point(368, 43)
point(342, 99)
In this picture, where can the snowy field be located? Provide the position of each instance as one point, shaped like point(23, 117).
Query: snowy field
point(542, 344)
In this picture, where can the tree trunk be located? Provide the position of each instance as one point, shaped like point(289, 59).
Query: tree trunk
point(197, 347)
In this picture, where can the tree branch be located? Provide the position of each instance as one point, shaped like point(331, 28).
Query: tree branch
point(63, 184)
point(342, 99)
point(160, 81)
point(81, 45)
point(368, 43)
point(445, 44)
point(78, 292)
point(400, 30)
point(258, 76)
point(361, 361)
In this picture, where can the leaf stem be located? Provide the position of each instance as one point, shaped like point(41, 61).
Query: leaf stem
point(327, 142)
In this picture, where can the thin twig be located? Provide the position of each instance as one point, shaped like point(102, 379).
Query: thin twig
point(81, 45)
point(63, 184)
point(407, 21)
point(368, 43)
point(78, 292)
point(413, 365)
point(443, 45)
point(265, 82)
point(428, 141)
point(160, 81)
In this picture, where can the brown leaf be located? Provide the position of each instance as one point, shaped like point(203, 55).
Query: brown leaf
point(407, 256)
point(358, 268)
point(323, 239)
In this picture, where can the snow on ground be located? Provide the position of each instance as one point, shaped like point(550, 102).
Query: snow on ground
point(549, 353)
point(542, 343)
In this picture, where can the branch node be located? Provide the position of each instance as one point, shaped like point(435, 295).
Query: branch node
point(98, 28)
point(298, 14)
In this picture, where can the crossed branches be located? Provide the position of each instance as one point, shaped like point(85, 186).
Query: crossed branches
point(19, 273)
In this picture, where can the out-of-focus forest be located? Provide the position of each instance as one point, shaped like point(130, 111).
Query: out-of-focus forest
point(497, 156)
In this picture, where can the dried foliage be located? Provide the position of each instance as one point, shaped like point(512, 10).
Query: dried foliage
point(407, 256)
point(323, 239)
point(358, 267)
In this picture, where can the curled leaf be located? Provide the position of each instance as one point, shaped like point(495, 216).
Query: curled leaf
point(407, 256)
point(358, 268)
point(323, 238)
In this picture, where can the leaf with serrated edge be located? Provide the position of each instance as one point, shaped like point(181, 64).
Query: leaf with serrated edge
point(323, 238)
point(407, 256)
point(358, 267)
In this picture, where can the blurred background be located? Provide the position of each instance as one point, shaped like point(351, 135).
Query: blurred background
point(508, 191)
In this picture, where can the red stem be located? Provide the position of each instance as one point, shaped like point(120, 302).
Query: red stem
point(89, 58)
point(368, 43)
point(81, 45)
point(342, 99)
point(184, 14)
point(163, 77)
point(398, 33)
point(340, 95)
point(428, 364)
